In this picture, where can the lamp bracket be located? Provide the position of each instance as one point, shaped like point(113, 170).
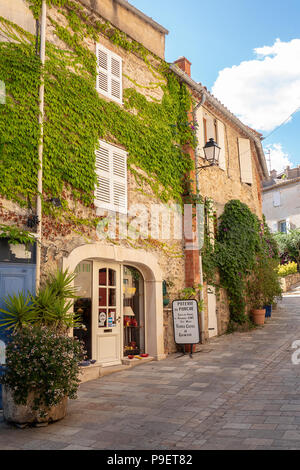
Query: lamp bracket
point(205, 166)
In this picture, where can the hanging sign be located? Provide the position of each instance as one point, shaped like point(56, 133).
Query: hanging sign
point(186, 321)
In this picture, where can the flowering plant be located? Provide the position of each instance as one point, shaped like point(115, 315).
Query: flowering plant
point(286, 269)
point(45, 362)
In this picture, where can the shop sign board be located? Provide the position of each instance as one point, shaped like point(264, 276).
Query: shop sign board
point(186, 321)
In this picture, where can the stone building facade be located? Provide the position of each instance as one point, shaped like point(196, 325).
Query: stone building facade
point(120, 279)
point(281, 200)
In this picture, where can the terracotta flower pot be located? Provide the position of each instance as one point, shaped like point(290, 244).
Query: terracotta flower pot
point(258, 316)
point(25, 414)
point(188, 347)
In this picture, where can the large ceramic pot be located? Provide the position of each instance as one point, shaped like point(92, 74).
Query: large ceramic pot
point(258, 316)
point(25, 414)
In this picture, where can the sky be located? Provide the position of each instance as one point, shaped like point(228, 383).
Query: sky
point(248, 55)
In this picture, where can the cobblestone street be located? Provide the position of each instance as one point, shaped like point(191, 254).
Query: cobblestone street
point(241, 392)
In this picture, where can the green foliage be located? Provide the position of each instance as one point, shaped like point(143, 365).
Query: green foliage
point(189, 293)
point(52, 306)
point(76, 116)
point(238, 242)
point(44, 362)
point(244, 250)
point(264, 284)
point(36, 5)
point(287, 269)
point(19, 312)
point(289, 246)
point(15, 235)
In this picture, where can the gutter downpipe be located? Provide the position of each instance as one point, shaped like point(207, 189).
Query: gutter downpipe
point(202, 332)
point(41, 146)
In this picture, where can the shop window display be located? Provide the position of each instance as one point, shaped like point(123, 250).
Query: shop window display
point(133, 312)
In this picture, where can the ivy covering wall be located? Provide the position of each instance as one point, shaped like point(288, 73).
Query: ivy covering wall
point(76, 116)
point(242, 240)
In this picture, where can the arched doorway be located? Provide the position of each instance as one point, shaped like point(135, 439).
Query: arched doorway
point(121, 298)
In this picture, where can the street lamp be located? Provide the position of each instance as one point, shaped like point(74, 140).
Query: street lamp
point(212, 153)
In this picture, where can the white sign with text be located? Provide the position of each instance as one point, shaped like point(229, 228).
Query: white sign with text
point(186, 322)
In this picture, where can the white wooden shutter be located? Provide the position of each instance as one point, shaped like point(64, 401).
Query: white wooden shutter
point(221, 143)
point(111, 170)
point(200, 132)
point(210, 127)
point(276, 198)
point(109, 74)
point(245, 160)
point(119, 172)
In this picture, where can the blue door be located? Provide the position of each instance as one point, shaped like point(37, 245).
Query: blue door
point(14, 278)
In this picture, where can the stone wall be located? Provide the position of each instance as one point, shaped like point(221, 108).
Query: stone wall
point(59, 239)
point(289, 281)
point(133, 22)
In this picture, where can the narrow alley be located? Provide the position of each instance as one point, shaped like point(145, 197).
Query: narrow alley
point(239, 392)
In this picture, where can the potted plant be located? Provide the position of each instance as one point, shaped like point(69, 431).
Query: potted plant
point(263, 288)
point(42, 360)
point(256, 294)
point(41, 374)
point(272, 285)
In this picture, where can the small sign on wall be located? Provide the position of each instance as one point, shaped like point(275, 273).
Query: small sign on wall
point(186, 321)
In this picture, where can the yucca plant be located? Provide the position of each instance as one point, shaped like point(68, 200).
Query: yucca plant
point(20, 312)
point(61, 316)
point(60, 283)
point(54, 301)
point(52, 306)
point(42, 303)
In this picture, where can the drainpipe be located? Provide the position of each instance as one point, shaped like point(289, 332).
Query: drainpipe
point(203, 98)
point(41, 146)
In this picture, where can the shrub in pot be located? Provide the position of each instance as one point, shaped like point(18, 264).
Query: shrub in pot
point(42, 360)
point(255, 293)
point(272, 285)
point(42, 371)
point(263, 287)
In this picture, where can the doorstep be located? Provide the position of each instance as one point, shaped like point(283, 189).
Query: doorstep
point(136, 362)
point(96, 371)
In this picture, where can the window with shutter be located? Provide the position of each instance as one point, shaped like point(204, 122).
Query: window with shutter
point(221, 143)
point(111, 169)
point(245, 160)
point(109, 74)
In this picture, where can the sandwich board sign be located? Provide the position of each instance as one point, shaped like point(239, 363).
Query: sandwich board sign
point(186, 321)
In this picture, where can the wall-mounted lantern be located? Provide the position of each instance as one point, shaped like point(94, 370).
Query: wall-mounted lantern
point(212, 154)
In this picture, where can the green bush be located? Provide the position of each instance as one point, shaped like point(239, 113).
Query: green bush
point(245, 254)
point(45, 362)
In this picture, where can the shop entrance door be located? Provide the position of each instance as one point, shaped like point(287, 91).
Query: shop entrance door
point(106, 345)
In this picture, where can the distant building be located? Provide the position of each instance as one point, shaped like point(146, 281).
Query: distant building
point(281, 200)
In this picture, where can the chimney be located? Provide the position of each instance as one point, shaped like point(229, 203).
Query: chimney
point(184, 65)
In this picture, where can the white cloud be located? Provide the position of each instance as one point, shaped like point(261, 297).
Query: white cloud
point(279, 159)
point(263, 92)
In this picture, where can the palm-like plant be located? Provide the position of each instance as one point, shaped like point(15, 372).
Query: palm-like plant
point(60, 283)
point(20, 311)
point(52, 306)
point(61, 316)
point(54, 301)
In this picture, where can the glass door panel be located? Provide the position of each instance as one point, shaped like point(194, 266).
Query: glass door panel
point(107, 298)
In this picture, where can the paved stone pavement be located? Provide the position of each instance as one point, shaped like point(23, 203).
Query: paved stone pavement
point(241, 392)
